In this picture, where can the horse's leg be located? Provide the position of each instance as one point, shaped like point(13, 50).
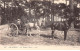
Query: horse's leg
point(26, 31)
point(38, 32)
point(38, 29)
point(30, 31)
point(65, 34)
point(52, 34)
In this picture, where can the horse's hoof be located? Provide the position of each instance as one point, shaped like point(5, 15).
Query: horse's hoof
point(27, 35)
point(51, 38)
point(10, 36)
point(64, 39)
point(7, 34)
point(38, 35)
point(30, 35)
point(16, 36)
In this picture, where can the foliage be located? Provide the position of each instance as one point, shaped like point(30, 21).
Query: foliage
point(14, 9)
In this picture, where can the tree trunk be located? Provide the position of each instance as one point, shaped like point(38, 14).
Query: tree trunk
point(4, 18)
point(72, 4)
point(72, 14)
point(0, 20)
point(29, 12)
point(53, 13)
point(35, 15)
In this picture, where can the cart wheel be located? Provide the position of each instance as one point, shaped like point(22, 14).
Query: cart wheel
point(13, 29)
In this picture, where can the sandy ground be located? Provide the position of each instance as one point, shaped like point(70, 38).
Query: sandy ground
point(43, 39)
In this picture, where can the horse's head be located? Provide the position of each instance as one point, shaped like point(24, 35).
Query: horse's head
point(70, 20)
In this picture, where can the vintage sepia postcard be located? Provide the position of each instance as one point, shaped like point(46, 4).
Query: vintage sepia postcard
point(39, 24)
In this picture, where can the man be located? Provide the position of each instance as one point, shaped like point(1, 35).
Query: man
point(19, 23)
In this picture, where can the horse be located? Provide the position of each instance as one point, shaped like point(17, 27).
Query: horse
point(31, 26)
point(61, 26)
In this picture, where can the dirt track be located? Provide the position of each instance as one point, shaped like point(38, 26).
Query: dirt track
point(43, 39)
